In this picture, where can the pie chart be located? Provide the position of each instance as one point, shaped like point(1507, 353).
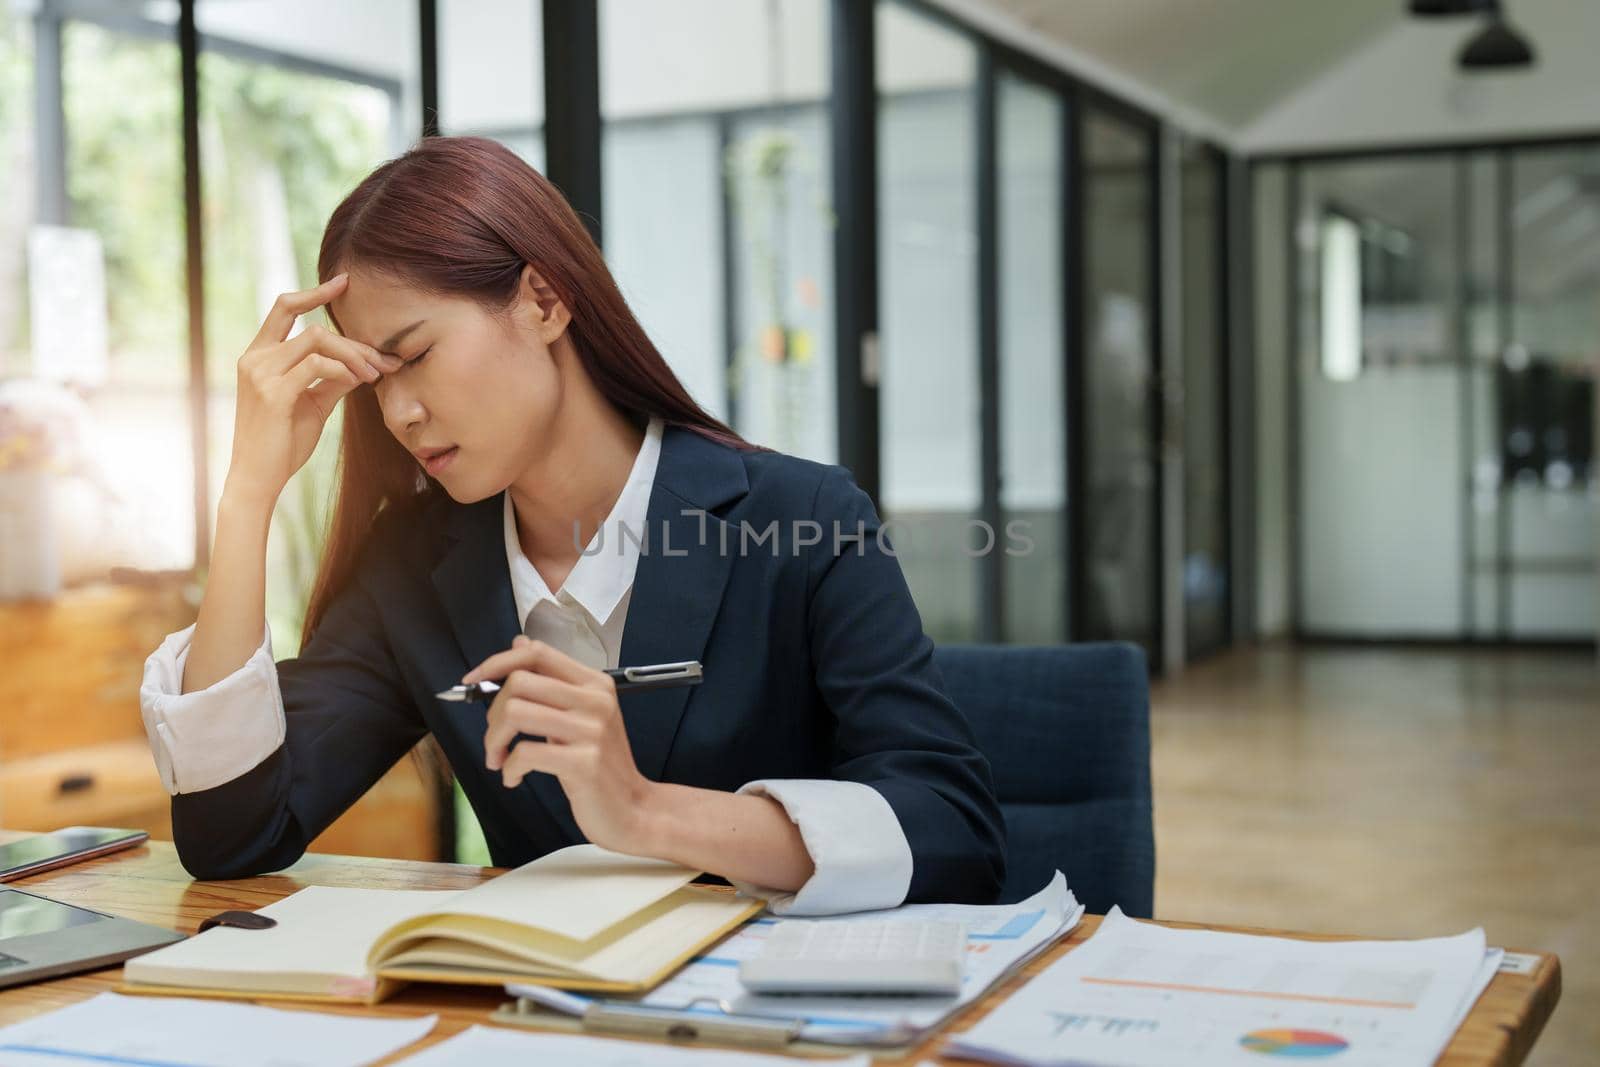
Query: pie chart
point(1294, 1044)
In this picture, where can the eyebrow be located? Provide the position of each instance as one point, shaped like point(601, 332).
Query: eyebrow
point(388, 346)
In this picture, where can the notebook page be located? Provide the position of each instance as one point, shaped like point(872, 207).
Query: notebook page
point(635, 950)
point(575, 892)
point(322, 930)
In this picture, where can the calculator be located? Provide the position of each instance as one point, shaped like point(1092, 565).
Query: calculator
point(859, 956)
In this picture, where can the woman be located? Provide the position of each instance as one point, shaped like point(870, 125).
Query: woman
point(509, 430)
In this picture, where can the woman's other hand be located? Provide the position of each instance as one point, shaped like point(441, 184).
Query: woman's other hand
point(574, 707)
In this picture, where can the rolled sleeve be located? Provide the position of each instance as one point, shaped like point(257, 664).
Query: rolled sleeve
point(895, 727)
point(860, 855)
point(204, 739)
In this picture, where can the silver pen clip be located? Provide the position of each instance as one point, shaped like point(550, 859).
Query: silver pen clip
point(657, 672)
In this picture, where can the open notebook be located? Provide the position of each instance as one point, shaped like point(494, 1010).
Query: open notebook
point(580, 918)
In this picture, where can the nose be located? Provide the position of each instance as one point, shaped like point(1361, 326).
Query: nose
point(402, 408)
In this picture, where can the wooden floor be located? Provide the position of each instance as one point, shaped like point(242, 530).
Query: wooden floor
point(1391, 792)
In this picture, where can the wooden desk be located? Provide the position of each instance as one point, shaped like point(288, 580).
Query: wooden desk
point(148, 884)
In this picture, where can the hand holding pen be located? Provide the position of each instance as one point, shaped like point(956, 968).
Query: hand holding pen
point(550, 713)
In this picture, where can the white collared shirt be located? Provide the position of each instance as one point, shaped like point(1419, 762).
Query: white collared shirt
point(201, 740)
point(585, 617)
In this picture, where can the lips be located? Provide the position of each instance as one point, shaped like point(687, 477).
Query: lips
point(435, 460)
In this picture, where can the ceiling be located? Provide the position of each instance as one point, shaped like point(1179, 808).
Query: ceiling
point(1229, 59)
point(1291, 75)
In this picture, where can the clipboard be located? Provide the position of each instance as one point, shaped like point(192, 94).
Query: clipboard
point(715, 1028)
point(709, 1021)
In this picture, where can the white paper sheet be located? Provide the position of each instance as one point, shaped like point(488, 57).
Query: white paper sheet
point(121, 1031)
point(484, 1046)
point(1139, 995)
point(998, 937)
point(1491, 966)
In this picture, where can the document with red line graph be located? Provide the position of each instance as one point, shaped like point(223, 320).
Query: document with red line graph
point(1136, 994)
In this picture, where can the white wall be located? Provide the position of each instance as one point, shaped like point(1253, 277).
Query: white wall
point(491, 66)
point(696, 55)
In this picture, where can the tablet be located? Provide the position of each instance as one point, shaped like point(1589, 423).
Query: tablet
point(45, 852)
point(43, 938)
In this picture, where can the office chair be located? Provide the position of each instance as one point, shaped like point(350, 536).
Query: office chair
point(1066, 729)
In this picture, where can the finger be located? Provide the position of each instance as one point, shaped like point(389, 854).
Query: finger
point(326, 394)
point(365, 360)
point(529, 655)
point(546, 690)
point(534, 656)
point(528, 717)
point(290, 306)
point(532, 756)
point(313, 367)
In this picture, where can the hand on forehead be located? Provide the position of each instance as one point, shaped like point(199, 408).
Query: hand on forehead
point(377, 310)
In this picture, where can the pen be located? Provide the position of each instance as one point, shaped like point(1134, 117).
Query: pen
point(653, 676)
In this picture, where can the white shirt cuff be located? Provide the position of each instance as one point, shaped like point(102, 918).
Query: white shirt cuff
point(859, 852)
point(203, 739)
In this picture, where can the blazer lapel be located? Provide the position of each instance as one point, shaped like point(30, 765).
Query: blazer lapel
point(474, 582)
point(678, 586)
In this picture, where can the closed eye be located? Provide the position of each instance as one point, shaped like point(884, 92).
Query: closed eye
point(419, 357)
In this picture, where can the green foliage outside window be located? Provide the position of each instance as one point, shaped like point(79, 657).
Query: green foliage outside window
point(16, 157)
point(125, 182)
point(273, 139)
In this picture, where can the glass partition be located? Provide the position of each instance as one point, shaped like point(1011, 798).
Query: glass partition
point(1550, 490)
point(717, 222)
point(927, 249)
point(1206, 578)
point(1447, 478)
point(1122, 518)
point(1033, 474)
point(1381, 476)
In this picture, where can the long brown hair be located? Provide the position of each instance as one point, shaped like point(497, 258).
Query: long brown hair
point(460, 216)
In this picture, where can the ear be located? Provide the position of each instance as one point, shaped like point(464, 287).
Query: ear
point(544, 310)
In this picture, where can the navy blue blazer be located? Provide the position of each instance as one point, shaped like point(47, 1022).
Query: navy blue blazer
point(816, 666)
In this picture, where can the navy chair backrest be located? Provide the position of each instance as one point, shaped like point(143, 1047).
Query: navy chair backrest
point(1067, 732)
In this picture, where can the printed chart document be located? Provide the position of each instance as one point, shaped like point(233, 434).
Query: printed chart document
point(481, 1045)
point(580, 918)
point(113, 1029)
point(1000, 938)
point(1139, 995)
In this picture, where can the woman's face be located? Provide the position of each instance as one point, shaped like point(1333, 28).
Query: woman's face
point(477, 393)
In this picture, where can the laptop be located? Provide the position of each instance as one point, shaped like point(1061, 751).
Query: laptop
point(43, 938)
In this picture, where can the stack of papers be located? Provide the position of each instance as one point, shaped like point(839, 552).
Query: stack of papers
point(1000, 939)
point(1135, 994)
point(480, 1045)
point(113, 1029)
